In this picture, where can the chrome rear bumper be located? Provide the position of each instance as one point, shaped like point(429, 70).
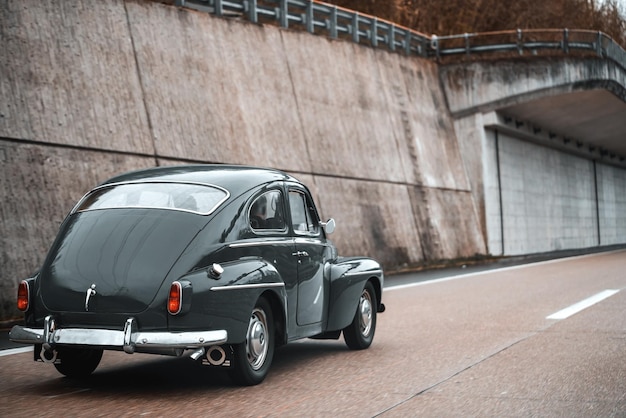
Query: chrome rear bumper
point(130, 340)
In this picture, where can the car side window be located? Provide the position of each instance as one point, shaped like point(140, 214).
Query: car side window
point(303, 216)
point(266, 211)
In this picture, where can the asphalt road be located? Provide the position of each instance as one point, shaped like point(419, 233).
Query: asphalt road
point(504, 342)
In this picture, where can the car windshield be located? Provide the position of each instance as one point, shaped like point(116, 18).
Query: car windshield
point(197, 198)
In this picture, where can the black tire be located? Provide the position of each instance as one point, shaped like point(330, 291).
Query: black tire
point(360, 333)
point(77, 362)
point(253, 357)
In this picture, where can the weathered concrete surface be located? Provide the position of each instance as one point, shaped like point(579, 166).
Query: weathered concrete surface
point(343, 113)
point(471, 133)
point(581, 98)
point(484, 86)
point(69, 76)
point(441, 215)
point(216, 89)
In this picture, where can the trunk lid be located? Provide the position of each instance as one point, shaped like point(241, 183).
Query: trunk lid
point(120, 256)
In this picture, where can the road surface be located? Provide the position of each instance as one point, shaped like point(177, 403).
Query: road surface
point(543, 339)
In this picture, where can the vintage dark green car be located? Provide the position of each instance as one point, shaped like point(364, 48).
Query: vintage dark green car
point(218, 263)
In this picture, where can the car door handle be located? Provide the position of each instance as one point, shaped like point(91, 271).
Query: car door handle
point(300, 254)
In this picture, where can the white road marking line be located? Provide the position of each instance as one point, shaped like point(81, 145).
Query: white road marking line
point(65, 394)
point(11, 351)
point(478, 273)
point(583, 304)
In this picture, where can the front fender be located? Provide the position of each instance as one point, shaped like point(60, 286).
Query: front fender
point(226, 302)
point(347, 280)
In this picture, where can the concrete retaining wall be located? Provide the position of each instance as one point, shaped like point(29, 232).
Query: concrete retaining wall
point(91, 88)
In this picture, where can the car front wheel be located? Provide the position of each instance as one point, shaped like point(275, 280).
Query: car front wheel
point(254, 356)
point(77, 362)
point(360, 333)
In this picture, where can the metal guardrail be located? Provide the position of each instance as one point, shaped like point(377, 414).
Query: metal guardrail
point(339, 23)
point(317, 17)
point(533, 41)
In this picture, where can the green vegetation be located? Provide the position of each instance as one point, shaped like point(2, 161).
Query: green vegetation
point(472, 16)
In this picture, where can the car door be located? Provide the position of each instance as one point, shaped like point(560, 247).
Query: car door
point(312, 253)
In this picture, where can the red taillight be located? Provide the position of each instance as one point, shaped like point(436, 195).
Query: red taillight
point(175, 301)
point(23, 296)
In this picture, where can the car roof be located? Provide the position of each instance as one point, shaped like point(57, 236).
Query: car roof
point(234, 178)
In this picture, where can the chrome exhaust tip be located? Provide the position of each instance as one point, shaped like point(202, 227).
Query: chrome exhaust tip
point(216, 356)
point(197, 354)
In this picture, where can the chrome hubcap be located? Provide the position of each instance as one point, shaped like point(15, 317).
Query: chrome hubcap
point(365, 308)
point(256, 339)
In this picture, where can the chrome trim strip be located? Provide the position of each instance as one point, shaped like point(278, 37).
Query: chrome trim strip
point(188, 339)
point(247, 286)
point(256, 243)
point(123, 339)
point(360, 273)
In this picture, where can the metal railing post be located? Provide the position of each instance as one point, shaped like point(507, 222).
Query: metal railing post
point(520, 43)
point(407, 42)
point(467, 44)
point(391, 33)
point(566, 41)
point(333, 22)
point(374, 32)
point(252, 11)
point(599, 44)
point(284, 14)
point(310, 24)
point(355, 28)
point(219, 10)
point(434, 44)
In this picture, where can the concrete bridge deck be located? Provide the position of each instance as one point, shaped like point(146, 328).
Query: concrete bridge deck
point(580, 100)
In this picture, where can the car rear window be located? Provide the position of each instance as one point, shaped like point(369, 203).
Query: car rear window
point(197, 198)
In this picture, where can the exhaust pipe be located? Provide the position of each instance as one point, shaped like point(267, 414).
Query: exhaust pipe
point(48, 356)
point(197, 354)
point(216, 355)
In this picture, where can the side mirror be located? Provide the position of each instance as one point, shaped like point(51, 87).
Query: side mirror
point(329, 226)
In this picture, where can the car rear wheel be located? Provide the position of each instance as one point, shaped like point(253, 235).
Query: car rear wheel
point(254, 356)
point(77, 362)
point(360, 333)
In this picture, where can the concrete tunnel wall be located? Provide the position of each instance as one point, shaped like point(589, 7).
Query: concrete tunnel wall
point(93, 88)
point(539, 199)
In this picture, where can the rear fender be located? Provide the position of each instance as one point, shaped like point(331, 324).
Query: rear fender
point(226, 301)
point(347, 280)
